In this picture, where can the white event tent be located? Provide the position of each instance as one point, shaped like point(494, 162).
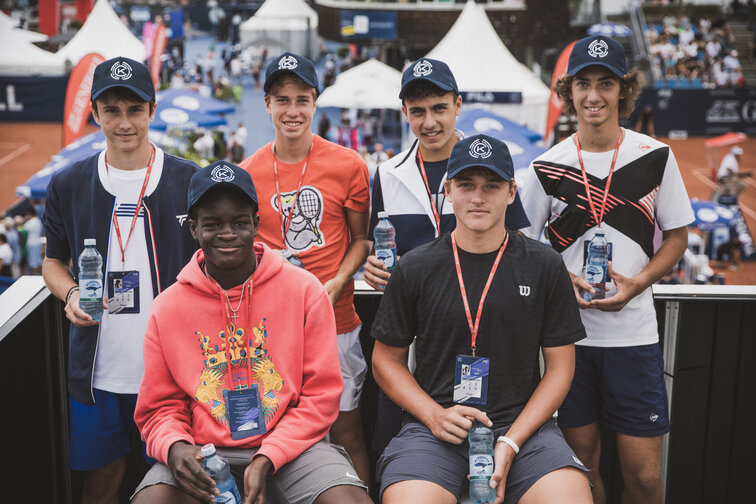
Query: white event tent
point(8, 23)
point(481, 62)
point(24, 58)
point(369, 85)
point(291, 23)
point(104, 33)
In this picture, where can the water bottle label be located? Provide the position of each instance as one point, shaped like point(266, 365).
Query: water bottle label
point(594, 274)
point(387, 257)
point(90, 290)
point(230, 497)
point(481, 466)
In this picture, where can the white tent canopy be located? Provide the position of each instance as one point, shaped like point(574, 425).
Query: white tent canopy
point(104, 33)
point(481, 62)
point(369, 85)
point(24, 58)
point(292, 22)
point(8, 23)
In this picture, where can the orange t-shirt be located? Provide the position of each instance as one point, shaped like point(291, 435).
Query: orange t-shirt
point(336, 178)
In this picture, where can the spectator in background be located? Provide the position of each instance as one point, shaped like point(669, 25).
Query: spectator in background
point(6, 257)
point(730, 164)
point(235, 150)
point(33, 226)
point(23, 236)
point(204, 145)
point(241, 133)
point(11, 235)
point(324, 126)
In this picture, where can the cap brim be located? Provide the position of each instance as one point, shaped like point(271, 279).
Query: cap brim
point(141, 94)
point(616, 71)
point(272, 77)
point(498, 171)
point(443, 85)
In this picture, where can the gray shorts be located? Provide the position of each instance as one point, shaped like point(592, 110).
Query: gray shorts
point(301, 481)
point(416, 454)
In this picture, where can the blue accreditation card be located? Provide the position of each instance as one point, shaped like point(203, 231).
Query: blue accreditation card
point(471, 380)
point(123, 292)
point(244, 412)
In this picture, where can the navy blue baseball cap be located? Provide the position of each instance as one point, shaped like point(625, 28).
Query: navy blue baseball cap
point(597, 50)
point(434, 71)
point(220, 173)
point(123, 72)
point(293, 64)
point(483, 151)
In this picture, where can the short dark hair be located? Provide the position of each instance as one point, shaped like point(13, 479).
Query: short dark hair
point(630, 86)
point(120, 93)
point(420, 89)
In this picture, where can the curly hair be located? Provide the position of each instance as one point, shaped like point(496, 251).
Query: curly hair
point(630, 88)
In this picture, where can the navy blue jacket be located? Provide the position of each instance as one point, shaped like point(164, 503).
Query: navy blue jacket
point(77, 206)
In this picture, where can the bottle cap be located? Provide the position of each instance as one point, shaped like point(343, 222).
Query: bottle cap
point(90, 241)
point(383, 215)
point(208, 450)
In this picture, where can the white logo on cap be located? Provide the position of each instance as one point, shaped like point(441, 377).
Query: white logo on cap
point(598, 49)
point(288, 63)
point(120, 70)
point(222, 173)
point(422, 68)
point(480, 149)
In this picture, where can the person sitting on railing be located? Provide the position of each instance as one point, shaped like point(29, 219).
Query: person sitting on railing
point(241, 352)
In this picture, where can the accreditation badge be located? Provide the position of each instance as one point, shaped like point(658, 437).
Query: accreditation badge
point(244, 412)
point(123, 292)
point(471, 380)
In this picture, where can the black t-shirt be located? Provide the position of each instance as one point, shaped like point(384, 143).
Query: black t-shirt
point(530, 304)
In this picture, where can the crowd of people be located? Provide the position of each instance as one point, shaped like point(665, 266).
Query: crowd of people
point(225, 326)
point(702, 54)
point(21, 242)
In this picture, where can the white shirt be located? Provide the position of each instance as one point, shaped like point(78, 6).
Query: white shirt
point(6, 254)
point(729, 166)
point(119, 362)
point(34, 227)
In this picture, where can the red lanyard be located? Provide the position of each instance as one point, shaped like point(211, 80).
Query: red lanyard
point(430, 195)
point(232, 327)
point(136, 210)
point(474, 328)
point(285, 228)
point(598, 217)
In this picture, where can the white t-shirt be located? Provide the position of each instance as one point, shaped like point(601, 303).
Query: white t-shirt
point(6, 254)
point(729, 166)
point(119, 363)
point(647, 191)
point(34, 227)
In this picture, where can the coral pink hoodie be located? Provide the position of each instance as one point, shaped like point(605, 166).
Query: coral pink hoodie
point(295, 361)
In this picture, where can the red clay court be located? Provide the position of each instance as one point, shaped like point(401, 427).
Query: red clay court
point(26, 148)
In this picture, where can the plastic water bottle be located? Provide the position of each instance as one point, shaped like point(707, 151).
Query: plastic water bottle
point(217, 468)
point(481, 461)
point(289, 256)
point(596, 265)
point(385, 241)
point(90, 280)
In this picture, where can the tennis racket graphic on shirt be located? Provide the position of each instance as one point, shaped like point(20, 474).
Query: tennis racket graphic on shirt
point(309, 205)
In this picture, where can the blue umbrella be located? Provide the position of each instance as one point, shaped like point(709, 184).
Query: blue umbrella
point(191, 101)
point(475, 120)
point(167, 116)
point(521, 148)
point(610, 30)
point(82, 148)
point(710, 215)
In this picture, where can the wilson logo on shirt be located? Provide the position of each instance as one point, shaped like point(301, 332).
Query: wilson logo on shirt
point(525, 290)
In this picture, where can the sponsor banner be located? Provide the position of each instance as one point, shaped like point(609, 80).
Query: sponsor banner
point(365, 24)
point(491, 96)
point(32, 99)
point(699, 112)
point(158, 48)
point(76, 108)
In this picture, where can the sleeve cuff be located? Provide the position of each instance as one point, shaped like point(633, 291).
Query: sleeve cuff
point(276, 455)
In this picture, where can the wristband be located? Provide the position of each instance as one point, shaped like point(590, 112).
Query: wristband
point(512, 444)
point(71, 291)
